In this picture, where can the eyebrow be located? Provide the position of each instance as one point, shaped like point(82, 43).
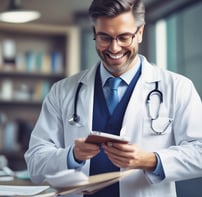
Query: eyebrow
point(105, 34)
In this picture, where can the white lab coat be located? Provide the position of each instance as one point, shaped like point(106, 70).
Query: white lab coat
point(180, 147)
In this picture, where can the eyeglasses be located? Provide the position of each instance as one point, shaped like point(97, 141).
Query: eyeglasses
point(123, 40)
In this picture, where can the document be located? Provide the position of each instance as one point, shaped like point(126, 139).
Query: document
point(95, 183)
point(11, 190)
point(66, 178)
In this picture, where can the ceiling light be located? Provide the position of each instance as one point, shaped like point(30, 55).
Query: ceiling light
point(17, 14)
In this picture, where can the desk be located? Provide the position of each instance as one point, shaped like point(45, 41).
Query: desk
point(16, 181)
point(92, 185)
point(50, 192)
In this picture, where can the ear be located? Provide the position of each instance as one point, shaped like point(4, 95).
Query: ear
point(140, 34)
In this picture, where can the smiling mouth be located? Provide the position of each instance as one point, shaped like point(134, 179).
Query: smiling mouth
point(117, 56)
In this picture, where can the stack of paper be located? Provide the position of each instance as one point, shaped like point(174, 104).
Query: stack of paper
point(66, 178)
point(12, 190)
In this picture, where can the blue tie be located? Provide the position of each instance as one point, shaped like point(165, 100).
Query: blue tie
point(113, 98)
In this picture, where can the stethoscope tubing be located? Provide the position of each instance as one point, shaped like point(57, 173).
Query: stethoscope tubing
point(156, 90)
point(75, 119)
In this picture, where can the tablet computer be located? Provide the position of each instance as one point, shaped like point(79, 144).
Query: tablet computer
point(97, 137)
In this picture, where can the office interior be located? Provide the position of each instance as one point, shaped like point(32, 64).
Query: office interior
point(172, 40)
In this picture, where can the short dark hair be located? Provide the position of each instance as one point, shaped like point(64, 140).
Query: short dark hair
point(112, 8)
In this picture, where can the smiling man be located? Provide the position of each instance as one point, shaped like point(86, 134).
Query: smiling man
point(117, 45)
point(123, 95)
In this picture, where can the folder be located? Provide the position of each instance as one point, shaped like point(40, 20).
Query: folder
point(94, 183)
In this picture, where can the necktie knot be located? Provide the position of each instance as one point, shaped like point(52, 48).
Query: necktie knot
point(114, 83)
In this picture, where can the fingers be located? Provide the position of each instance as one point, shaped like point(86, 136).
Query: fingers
point(121, 163)
point(119, 150)
point(121, 155)
point(84, 151)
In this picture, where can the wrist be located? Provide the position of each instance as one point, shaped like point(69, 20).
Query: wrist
point(150, 161)
point(77, 160)
point(71, 162)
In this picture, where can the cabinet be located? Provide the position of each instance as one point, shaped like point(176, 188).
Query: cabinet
point(32, 58)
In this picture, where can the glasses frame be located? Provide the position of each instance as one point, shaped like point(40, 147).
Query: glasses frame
point(117, 38)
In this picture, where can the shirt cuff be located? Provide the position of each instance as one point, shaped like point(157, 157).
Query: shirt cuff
point(71, 162)
point(158, 171)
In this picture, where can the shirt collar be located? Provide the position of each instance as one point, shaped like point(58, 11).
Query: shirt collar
point(126, 77)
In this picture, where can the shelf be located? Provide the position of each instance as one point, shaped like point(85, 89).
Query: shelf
point(20, 102)
point(16, 74)
point(43, 54)
point(68, 37)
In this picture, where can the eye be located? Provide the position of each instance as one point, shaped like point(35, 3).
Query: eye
point(124, 38)
point(105, 38)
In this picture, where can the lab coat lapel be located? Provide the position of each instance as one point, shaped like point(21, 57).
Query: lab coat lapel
point(87, 95)
point(132, 126)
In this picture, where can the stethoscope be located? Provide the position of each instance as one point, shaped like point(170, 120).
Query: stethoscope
point(154, 100)
point(153, 108)
point(155, 92)
point(75, 119)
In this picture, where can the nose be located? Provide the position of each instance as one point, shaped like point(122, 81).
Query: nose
point(114, 46)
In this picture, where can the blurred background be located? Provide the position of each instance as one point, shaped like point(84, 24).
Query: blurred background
point(59, 43)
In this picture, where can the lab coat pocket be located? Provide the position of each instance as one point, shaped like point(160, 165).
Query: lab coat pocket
point(159, 126)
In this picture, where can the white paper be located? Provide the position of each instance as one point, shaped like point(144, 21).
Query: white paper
point(66, 178)
point(8, 190)
point(6, 178)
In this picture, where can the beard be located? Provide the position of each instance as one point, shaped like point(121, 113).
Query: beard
point(117, 68)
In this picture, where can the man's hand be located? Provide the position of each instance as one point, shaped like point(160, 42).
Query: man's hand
point(83, 151)
point(130, 156)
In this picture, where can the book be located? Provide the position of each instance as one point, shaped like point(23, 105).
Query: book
point(30, 61)
point(56, 62)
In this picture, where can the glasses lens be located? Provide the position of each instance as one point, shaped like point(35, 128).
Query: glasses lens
point(103, 40)
point(124, 40)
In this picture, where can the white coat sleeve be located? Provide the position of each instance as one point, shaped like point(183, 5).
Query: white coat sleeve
point(47, 153)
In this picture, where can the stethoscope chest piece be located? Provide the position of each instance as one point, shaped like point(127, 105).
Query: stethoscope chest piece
point(74, 119)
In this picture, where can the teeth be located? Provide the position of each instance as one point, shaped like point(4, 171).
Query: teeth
point(116, 56)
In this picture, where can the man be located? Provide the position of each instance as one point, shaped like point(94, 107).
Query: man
point(158, 111)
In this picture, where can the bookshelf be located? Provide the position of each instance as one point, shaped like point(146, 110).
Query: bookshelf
point(32, 58)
